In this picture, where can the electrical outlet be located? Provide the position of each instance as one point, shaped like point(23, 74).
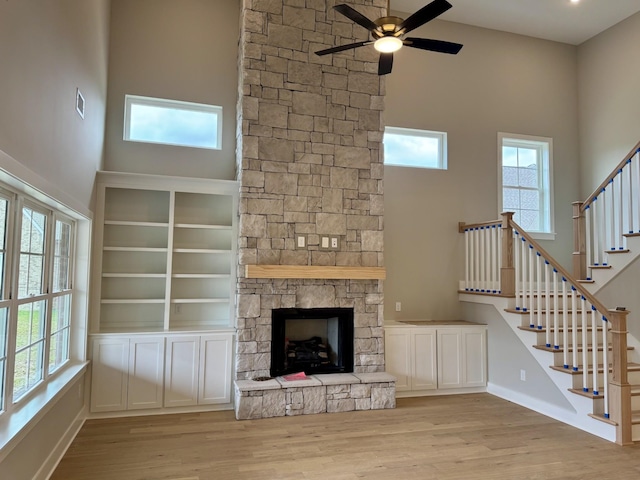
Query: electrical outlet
point(335, 243)
point(523, 375)
point(398, 306)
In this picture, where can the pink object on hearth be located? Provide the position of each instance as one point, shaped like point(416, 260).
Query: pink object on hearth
point(295, 376)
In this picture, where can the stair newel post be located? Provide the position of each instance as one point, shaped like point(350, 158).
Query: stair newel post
point(619, 388)
point(579, 235)
point(507, 269)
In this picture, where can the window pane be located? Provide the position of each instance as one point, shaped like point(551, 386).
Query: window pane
point(528, 177)
point(62, 250)
point(61, 313)
point(509, 156)
point(3, 223)
point(58, 349)
point(156, 120)
point(527, 157)
point(510, 176)
point(29, 366)
point(510, 199)
point(530, 219)
point(3, 352)
point(414, 148)
point(529, 199)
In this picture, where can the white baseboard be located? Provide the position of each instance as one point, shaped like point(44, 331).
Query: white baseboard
point(52, 461)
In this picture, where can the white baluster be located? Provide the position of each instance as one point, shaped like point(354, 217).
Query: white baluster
point(588, 253)
point(556, 313)
point(595, 322)
point(565, 325)
point(483, 273)
point(574, 326)
point(518, 267)
point(499, 277)
point(628, 199)
point(539, 288)
point(531, 294)
point(635, 192)
point(595, 206)
point(605, 364)
point(585, 350)
point(467, 256)
point(495, 239)
point(547, 302)
point(476, 263)
point(616, 193)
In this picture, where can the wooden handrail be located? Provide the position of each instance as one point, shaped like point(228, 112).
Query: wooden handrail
point(466, 226)
point(560, 269)
point(611, 176)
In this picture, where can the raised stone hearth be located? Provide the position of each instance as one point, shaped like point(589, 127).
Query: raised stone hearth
point(309, 163)
point(332, 393)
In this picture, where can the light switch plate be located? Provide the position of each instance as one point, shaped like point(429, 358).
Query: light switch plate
point(324, 243)
point(301, 241)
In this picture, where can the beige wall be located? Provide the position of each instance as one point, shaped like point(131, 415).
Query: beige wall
point(184, 50)
point(47, 50)
point(609, 81)
point(499, 82)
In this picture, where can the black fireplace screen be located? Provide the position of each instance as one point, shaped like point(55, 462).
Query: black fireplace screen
point(311, 340)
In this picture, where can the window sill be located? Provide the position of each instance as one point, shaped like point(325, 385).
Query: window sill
point(543, 235)
point(14, 426)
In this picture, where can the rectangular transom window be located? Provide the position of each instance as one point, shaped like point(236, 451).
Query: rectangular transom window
point(525, 181)
point(172, 122)
point(406, 147)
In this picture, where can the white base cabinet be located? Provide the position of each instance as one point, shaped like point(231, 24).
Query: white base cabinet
point(150, 372)
point(433, 358)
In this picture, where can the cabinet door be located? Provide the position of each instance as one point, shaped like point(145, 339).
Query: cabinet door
point(397, 355)
point(474, 344)
point(109, 371)
point(146, 365)
point(215, 368)
point(424, 375)
point(182, 360)
point(449, 358)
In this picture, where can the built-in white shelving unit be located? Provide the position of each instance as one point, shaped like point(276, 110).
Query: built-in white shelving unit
point(163, 313)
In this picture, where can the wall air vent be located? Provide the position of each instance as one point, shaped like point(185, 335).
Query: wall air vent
point(79, 103)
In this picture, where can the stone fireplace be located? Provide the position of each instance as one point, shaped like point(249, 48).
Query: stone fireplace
point(310, 165)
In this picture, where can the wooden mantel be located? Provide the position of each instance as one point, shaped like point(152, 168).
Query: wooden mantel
point(315, 272)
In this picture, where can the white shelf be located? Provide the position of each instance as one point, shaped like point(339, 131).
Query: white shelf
point(134, 249)
point(199, 300)
point(201, 275)
point(122, 301)
point(202, 226)
point(199, 250)
point(133, 275)
point(127, 223)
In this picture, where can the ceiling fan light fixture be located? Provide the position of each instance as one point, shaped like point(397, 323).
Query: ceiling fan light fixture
point(388, 44)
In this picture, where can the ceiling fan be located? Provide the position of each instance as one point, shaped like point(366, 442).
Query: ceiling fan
point(388, 33)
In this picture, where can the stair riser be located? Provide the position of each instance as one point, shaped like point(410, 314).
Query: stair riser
point(634, 379)
point(541, 338)
point(635, 402)
point(635, 433)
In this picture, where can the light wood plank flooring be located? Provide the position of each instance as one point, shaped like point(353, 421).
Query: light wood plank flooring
point(441, 438)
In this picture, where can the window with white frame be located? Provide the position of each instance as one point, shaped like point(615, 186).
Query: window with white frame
point(36, 262)
point(406, 147)
point(526, 183)
point(172, 122)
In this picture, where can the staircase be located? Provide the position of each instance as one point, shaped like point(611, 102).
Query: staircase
point(580, 343)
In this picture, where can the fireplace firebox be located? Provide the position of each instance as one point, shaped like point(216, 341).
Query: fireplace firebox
point(311, 340)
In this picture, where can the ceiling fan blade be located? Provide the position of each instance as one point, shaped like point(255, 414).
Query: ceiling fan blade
point(342, 48)
point(356, 16)
point(433, 45)
point(385, 63)
point(424, 15)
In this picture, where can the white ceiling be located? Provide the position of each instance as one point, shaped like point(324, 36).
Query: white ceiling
point(558, 20)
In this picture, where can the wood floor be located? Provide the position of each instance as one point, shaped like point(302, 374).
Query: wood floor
point(441, 438)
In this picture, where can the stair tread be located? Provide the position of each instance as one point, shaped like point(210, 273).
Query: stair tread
point(588, 394)
point(602, 418)
point(535, 312)
point(626, 250)
point(553, 329)
point(631, 367)
point(600, 266)
point(580, 349)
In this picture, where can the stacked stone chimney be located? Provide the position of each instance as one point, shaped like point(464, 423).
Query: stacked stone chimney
point(309, 163)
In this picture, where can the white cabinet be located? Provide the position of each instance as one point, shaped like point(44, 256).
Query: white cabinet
point(197, 370)
point(410, 357)
point(150, 372)
point(426, 359)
